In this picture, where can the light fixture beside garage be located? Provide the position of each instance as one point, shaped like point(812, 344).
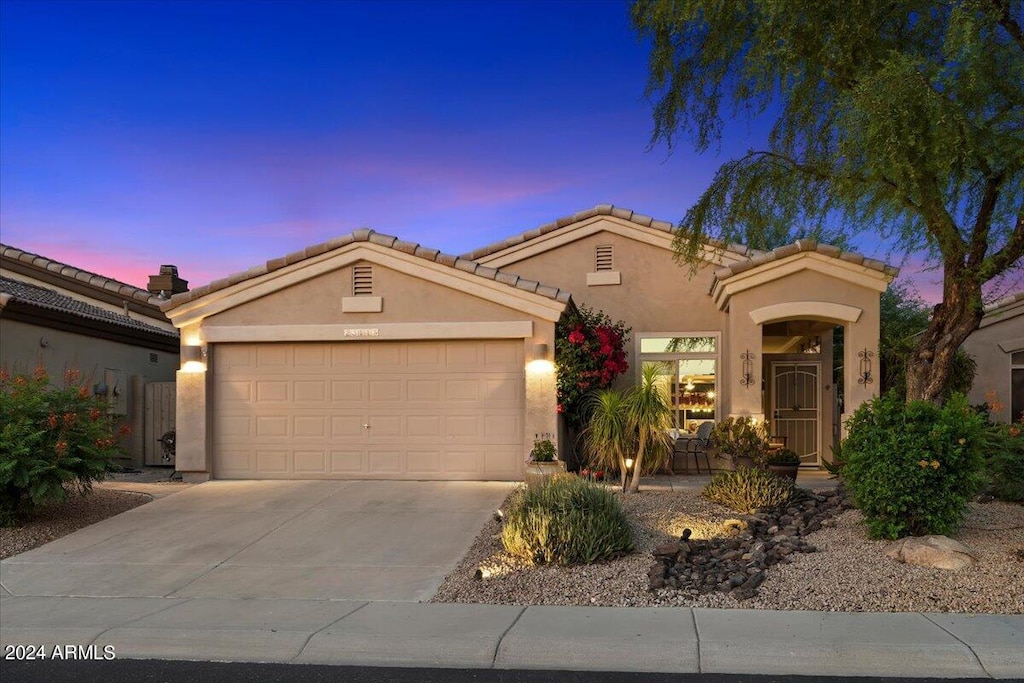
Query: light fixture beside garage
point(540, 362)
point(193, 358)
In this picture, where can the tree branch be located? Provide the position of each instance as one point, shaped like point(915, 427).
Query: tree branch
point(1008, 22)
point(983, 221)
point(1011, 252)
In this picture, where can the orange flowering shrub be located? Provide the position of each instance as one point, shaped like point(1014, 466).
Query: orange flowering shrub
point(52, 440)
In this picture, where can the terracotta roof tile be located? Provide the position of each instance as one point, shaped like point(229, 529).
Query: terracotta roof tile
point(1004, 302)
point(42, 297)
point(467, 265)
point(68, 271)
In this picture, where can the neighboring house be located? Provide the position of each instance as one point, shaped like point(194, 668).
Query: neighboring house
point(370, 357)
point(998, 348)
point(62, 317)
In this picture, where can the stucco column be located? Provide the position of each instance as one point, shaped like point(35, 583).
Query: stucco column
point(744, 337)
point(192, 457)
point(859, 337)
point(541, 416)
point(137, 403)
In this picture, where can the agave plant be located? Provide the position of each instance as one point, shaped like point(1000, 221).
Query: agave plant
point(609, 436)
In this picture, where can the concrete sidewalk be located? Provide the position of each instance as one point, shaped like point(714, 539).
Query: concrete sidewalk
point(510, 637)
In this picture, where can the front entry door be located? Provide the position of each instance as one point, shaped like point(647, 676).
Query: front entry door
point(796, 406)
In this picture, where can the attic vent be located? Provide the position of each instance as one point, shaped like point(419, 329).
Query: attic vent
point(362, 281)
point(603, 260)
point(154, 359)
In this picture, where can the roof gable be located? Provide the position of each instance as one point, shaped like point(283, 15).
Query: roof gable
point(366, 245)
point(603, 217)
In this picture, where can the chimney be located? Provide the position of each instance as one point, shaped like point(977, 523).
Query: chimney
point(167, 283)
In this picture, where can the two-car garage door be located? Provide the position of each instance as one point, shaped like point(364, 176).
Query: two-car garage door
point(381, 410)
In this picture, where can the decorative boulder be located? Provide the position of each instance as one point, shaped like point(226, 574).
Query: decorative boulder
point(940, 552)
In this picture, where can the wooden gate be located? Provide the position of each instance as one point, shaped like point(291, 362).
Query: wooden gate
point(159, 420)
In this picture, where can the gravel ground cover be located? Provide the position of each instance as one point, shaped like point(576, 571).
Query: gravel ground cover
point(849, 572)
point(52, 522)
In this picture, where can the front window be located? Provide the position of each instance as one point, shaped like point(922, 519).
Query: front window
point(688, 367)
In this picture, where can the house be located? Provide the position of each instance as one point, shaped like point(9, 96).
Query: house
point(58, 316)
point(371, 357)
point(998, 348)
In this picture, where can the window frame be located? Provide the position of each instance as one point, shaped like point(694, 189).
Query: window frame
point(715, 355)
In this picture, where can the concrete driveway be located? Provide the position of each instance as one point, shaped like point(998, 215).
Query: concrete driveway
point(353, 540)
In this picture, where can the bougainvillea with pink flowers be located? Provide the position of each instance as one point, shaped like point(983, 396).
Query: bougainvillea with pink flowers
point(589, 355)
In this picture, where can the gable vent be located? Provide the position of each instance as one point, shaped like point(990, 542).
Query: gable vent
point(362, 281)
point(603, 259)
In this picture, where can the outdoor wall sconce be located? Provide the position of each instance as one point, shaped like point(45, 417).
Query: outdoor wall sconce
point(540, 351)
point(747, 379)
point(865, 366)
point(192, 354)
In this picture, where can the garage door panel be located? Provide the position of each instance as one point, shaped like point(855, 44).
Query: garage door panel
point(272, 461)
point(271, 391)
point(270, 426)
point(386, 357)
point(348, 391)
point(310, 355)
point(348, 356)
point(385, 462)
point(423, 462)
point(347, 426)
point(436, 410)
point(385, 390)
point(314, 391)
point(310, 462)
point(310, 426)
point(423, 390)
point(427, 354)
point(348, 462)
point(273, 355)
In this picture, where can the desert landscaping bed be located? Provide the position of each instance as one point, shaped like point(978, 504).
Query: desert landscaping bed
point(847, 571)
point(52, 522)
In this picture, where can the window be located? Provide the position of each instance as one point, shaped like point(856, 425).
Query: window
point(603, 257)
point(688, 365)
point(362, 281)
point(1017, 386)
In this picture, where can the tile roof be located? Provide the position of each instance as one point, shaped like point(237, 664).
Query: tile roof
point(761, 258)
point(599, 210)
point(373, 237)
point(41, 297)
point(99, 281)
point(1006, 301)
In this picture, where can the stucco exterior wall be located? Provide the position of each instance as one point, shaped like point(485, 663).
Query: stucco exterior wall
point(405, 299)
point(992, 346)
point(813, 290)
point(655, 294)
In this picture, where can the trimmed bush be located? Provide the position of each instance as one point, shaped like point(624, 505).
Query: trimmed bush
point(1004, 461)
point(912, 467)
point(51, 439)
point(568, 520)
point(749, 489)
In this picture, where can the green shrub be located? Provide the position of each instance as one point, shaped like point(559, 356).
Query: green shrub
point(1004, 461)
point(748, 490)
point(739, 437)
point(913, 467)
point(51, 439)
point(568, 520)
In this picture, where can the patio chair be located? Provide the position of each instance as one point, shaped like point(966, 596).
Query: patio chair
point(698, 445)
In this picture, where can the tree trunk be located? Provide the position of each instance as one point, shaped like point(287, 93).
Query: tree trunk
point(953, 320)
point(634, 484)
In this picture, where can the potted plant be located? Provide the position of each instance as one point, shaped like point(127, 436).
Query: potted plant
point(783, 463)
point(740, 440)
point(543, 462)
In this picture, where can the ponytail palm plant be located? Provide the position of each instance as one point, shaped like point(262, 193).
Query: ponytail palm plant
point(609, 436)
point(649, 414)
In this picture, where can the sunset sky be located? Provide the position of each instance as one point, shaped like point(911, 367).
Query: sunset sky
point(218, 135)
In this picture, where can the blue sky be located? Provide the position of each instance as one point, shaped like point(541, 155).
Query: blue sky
point(218, 135)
